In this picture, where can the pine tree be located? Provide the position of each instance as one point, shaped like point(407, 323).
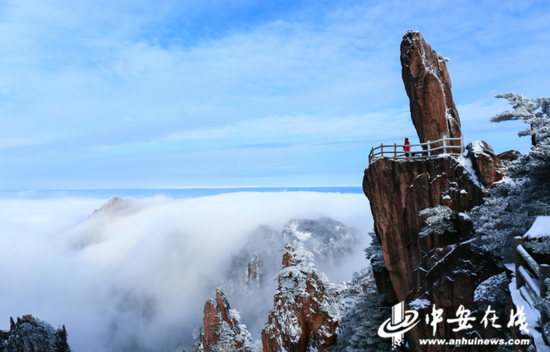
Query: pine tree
point(373, 253)
point(439, 220)
point(359, 328)
point(514, 204)
point(535, 112)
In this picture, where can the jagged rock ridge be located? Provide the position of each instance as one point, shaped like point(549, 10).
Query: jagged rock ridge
point(30, 334)
point(222, 329)
point(305, 313)
point(305, 316)
point(330, 241)
point(249, 283)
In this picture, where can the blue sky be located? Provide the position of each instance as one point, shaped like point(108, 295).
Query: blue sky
point(110, 94)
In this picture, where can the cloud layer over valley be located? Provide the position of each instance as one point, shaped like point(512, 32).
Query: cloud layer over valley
point(136, 277)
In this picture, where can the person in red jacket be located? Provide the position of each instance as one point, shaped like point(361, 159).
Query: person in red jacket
point(406, 147)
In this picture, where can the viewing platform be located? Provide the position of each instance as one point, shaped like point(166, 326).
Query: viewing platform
point(449, 146)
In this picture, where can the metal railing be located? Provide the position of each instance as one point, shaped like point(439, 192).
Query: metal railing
point(526, 265)
point(418, 151)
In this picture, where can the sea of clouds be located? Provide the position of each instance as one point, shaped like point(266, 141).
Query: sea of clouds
point(137, 279)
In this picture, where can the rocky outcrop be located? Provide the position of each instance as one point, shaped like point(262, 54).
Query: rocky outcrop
point(222, 330)
point(508, 156)
point(253, 274)
point(418, 209)
point(248, 277)
point(330, 241)
point(305, 313)
point(486, 164)
point(428, 86)
point(115, 204)
point(30, 334)
point(441, 266)
point(397, 192)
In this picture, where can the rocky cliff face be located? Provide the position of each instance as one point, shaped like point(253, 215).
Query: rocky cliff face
point(305, 313)
point(30, 334)
point(222, 329)
point(418, 206)
point(397, 192)
point(440, 266)
point(428, 86)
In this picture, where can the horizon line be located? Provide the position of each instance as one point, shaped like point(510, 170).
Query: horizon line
point(209, 187)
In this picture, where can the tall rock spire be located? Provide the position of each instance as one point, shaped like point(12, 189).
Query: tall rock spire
point(442, 266)
point(428, 86)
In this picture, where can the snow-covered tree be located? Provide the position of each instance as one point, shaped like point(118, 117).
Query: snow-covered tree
point(535, 112)
point(374, 253)
point(33, 334)
point(492, 292)
point(367, 310)
point(359, 328)
point(525, 193)
point(197, 345)
point(439, 220)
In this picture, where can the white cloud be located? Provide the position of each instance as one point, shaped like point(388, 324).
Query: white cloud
point(134, 79)
point(141, 279)
point(117, 78)
point(315, 127)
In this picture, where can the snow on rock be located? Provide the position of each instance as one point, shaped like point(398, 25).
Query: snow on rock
point(487, 166)
point(532, 317)
point(31, 334)
point(480, 147)
point(469, 169)
point(539, 229)
point(306, 309)
point(508, 156)
point(292, 227)
point(222, 329)
point(537, 239)
point(419, 304)
point(248, 278)
point(444, 267)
